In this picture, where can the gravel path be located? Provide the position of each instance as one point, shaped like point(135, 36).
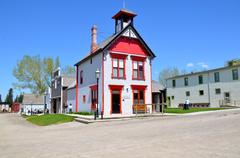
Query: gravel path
point(205, 136)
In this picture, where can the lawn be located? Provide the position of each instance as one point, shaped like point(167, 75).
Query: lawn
point(49, 119)
point(191, 110)
point(82, 113)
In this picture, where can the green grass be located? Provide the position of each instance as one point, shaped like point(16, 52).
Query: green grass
point(49, 119)
point(191, 110)
point(82, 113)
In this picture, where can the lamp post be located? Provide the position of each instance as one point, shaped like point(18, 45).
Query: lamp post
point(45, 102)
point(97, 74)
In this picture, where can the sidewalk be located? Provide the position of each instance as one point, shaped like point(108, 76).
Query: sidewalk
point(118, 117)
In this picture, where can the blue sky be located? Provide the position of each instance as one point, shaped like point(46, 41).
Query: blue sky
point(188, 34)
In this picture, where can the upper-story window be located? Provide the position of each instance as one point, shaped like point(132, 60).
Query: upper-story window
point(186, 81)
point(200, 79)
point(174, 83)
point(81, 77)
point(118, 66)
point(216, 77)
point(235, 74)
point(138, 68)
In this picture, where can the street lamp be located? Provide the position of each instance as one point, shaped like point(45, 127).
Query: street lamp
point(45, 102)
point(97, 74)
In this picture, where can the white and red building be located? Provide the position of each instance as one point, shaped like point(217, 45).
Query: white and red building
point(125, 63)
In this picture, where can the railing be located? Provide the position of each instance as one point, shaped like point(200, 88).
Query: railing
point(149, 108)
point(235, 103)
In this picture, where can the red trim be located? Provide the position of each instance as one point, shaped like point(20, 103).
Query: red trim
point(118, 69)
point(84, 99)
point(103, 83)
point(119, 56)
point(144, 93)
point(138, 71)
point(77, 89)
point(129, 46)
point(139, 87)
point(116, 87)
point(93, 87)
point(138, 58)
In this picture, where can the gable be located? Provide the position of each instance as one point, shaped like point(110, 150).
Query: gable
point(128, 45)
point(129, 33)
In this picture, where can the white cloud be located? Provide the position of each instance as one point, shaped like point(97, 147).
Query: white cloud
point(203, 65)
point(190, 65)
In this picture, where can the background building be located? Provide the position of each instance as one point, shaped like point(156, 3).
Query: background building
point(59, 86)
point(214, 88)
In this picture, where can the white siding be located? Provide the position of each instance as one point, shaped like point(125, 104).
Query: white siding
point(88, 80)
point(127, 97)
point(226, 84)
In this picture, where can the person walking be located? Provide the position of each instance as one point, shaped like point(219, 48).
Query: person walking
point(186, 104)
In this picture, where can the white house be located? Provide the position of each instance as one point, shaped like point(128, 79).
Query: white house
point(32, 104)
point(213, 88)
point(125, 64)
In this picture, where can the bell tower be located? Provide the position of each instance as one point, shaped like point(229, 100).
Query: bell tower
point(122, 19)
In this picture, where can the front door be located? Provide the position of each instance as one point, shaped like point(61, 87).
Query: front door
point(227, 97)
point(116, 102)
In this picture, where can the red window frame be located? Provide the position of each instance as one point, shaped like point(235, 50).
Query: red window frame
point(139, 88)
point(84, 99)
point(138, 60)
point(119, 57)
point(93, 96)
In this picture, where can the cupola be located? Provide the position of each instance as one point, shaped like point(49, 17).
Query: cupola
point(122, 19)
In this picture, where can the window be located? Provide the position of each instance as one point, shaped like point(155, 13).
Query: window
point(173, 97)
point(187, 93)
point(81, 77)
point(84, 99)
point(200, 79)
point(174, 83)
point(138, 70)
point(217, 91)
point(235, 74)
point(91, 61)
point(201, 92)
point(138, 97)
point(186, 81)
point(216, 77)
point(118, 68)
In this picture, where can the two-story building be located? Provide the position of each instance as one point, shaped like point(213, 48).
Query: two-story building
point(213, 88)
point(125, 64)
point(59, 86)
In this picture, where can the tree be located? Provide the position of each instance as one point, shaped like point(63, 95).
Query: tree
point(0, 98)
point(34, 73)
point(9, 97)
point(19, 98)
point(167, 73)
point(69, 70)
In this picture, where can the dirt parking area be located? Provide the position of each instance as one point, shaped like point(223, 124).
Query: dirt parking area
point(205, 136)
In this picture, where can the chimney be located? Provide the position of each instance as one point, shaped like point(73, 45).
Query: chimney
point(94, 39)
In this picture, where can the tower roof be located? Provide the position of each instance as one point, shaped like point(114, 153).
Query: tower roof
point(125, 12)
